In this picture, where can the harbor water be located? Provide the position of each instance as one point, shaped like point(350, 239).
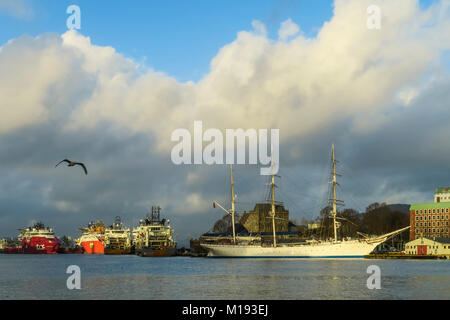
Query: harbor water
point(180, 278)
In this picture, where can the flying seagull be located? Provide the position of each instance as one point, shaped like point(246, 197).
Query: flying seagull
point(73, 164)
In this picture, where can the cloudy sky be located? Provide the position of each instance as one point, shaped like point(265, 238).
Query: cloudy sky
point(112, 93)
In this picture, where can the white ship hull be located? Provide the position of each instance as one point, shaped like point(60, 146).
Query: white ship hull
point(348, 249)
point(344, 249)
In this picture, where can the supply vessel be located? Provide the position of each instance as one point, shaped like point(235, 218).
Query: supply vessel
point(93, 238)
point(154, 237)
point(117, 239)
point(37, 239)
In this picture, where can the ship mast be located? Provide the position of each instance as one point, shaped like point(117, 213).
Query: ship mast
point(233, 211)
point(334, 212)
point(273, 207)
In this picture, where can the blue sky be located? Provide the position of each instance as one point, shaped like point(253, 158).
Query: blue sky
point(176, 37)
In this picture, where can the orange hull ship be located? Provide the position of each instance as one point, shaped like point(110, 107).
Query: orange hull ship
point(93, 246)
point(93, 238)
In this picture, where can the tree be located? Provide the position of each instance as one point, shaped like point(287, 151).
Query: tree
point(222, 225)
point(350, 223)
point(66, 242)
point(375, 206)
point(325, 212)
point(383, 220)
point(304, 221)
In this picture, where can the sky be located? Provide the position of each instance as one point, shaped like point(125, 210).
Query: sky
point(156, 32)
point(111, 94)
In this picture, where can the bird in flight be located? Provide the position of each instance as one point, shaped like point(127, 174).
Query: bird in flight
point(73, 164)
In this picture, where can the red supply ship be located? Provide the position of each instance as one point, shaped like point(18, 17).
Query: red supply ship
point(36, 240)
point(93, 238)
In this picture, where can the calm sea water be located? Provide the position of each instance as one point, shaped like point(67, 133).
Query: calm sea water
point(132, 277)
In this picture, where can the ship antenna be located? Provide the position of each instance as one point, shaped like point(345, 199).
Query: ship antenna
point(233, 211)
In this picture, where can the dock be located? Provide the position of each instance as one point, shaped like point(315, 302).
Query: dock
point(406, 256)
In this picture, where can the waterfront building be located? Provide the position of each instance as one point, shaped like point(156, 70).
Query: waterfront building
point(431, 219)
point(428, 246)
point(442, 195)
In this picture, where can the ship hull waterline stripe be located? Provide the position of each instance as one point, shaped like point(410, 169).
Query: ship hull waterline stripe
point(283, 257)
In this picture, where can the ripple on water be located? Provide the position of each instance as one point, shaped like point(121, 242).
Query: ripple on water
point(131, 277)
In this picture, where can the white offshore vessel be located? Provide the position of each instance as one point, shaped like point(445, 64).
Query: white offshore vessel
point(117, 238)
point(344, 248)
point(154, 237)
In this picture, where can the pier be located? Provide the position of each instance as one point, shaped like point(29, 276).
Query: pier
point(406, 256)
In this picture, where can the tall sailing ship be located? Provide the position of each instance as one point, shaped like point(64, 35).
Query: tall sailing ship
point(154, 237)
point(330, 248)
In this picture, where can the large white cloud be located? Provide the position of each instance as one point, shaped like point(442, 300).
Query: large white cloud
point(346, 71)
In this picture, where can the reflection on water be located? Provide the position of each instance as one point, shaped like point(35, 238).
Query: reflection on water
point(131, 277)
